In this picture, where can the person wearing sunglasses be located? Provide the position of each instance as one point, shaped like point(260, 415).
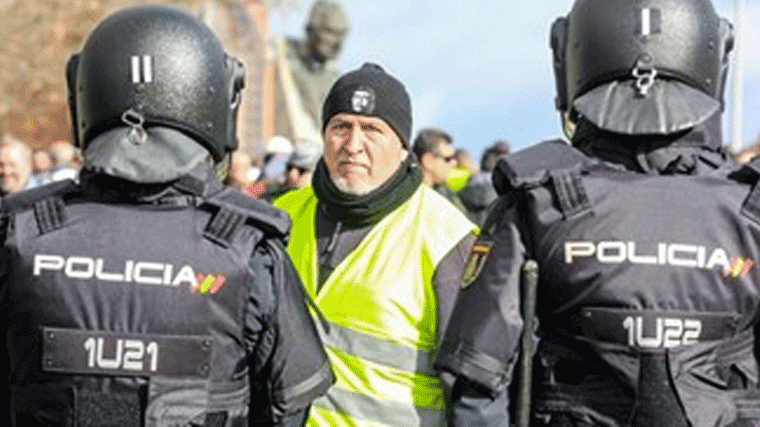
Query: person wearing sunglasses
point(435, 152)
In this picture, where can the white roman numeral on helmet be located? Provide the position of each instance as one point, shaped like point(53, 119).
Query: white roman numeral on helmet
point(650, 21)
point(142, 69)
point(646, 21)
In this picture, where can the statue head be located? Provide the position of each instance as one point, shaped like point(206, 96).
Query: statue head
point(326, 29)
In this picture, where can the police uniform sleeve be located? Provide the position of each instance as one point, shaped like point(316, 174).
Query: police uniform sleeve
point(481, 341)
point(448, 276)
point(5, 362)
point(290, 367)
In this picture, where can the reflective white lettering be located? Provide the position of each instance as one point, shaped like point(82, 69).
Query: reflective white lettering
point(186, 274)
point(79, 267)
point(141, 268)
point(168, 270)
point(578, 249)
point(677, 252)
point(47, 262)
point(674, 254)
point(668, 332)
point(134, 351)
point(673, 333)
point(141, 272)
point(718, 258)
point(128, 354)
point(611, 252)
point(102, 275)
point(651, 342)
point(639, 259)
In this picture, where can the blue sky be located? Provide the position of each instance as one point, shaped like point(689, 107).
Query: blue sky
point(481, 70)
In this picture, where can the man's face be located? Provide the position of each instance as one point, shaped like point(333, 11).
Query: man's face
point(41, 161)
point(437, 164)
point(361, 152)
point(14, 169)
point(297, 177)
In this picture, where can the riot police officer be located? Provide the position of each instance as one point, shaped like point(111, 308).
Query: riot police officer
point(148, 293)
point(646, 237)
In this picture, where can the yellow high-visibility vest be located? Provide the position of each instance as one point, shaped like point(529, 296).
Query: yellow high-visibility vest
point(379, 311)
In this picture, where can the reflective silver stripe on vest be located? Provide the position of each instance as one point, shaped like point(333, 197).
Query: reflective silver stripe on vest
point(389, 413)
point(378, 350)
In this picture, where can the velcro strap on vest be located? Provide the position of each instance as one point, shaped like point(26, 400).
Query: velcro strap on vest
point(176, 402)
point(216, 419)
point(748, 406)
point(751, 205)
point(50, 214)
point(571, 195)
point(93, 408)
point(651, 330)
point(223, 225)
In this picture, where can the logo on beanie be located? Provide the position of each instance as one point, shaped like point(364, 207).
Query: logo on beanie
point(363, 100)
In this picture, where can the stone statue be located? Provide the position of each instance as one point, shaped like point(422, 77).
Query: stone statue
point(305, 71)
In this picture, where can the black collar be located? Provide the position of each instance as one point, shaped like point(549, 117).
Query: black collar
point(370, 208)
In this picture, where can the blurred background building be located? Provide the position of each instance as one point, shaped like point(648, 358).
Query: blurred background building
point(39, 36)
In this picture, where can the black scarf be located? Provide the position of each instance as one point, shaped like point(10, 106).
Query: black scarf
point(367, 209)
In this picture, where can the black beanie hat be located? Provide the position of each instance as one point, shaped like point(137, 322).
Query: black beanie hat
point(370, 91)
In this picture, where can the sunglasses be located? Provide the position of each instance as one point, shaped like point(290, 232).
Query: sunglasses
point(447, 159)
point(301, 170)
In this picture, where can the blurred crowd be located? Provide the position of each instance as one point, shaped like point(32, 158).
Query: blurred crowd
point(449, 169)
point(22, 168)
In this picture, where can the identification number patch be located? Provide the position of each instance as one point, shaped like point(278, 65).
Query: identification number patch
point(652, 330)
point(107, 353)
point(667, 332)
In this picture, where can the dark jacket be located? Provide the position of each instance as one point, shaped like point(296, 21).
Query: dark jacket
point(647, 298)
point(153, 305)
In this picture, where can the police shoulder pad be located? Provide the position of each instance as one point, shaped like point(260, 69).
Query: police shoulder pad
point(271, 220)
point(532, 166)
point(26, 199)
point(748, 172)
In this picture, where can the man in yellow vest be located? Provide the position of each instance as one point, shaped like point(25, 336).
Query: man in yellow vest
point(380, 254)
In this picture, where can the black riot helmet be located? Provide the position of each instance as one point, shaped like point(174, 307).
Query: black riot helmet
point(641, 66)
point(156, 66)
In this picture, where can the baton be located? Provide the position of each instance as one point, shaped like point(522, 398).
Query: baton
point(529, 279)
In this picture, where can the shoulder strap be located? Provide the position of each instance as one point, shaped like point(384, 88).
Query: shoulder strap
point(550, 162)
point(531, 166)
point(234, 208)
point(26, 199)
point(750, 172)
point(47, 202)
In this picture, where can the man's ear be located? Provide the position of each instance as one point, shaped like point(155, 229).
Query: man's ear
point(425, 159)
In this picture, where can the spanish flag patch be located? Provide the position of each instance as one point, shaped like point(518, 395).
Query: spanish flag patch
point(478, 255)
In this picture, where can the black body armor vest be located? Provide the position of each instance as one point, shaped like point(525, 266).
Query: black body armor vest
point(130, 314)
